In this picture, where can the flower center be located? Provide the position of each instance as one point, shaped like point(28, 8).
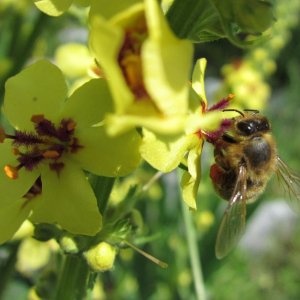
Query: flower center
point(130, 57)
point(213, 136)
point(47, 143)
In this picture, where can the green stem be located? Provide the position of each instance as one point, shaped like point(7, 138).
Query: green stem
point(194, 253)
point(8, 267)
point(74, 279)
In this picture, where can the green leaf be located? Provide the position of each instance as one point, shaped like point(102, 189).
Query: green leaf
point(192, 19)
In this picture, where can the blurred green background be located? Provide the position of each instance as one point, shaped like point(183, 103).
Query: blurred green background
point(267, 263)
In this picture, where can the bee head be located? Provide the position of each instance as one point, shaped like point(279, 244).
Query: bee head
point(247, 126)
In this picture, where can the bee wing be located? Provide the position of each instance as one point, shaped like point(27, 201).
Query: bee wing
point(290, 182)
point(233, 222)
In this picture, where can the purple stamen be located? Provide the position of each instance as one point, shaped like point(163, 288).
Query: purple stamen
point(64, 133)
point(46, 128)
point(222, 104)
point(213, 136)
point(30, 160)
point(26, 139)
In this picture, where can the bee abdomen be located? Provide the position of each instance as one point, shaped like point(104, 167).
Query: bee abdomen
point(258, 152)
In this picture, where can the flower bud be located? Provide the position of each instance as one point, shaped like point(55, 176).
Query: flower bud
point(101, 257)
point(68, 245)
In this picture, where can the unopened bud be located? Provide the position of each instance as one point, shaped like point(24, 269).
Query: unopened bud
point(68, 245)
point(101, 257)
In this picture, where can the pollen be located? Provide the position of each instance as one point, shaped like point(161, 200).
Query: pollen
point(37, 118)
point(51, 154)
point(11, 172)
point(71, 125)
point(133, 69)
point(230, 97)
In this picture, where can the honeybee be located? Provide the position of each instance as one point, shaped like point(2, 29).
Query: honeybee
point(245, 159)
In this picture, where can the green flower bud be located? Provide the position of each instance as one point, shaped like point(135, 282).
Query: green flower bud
point(101, 257)
point(68, 245)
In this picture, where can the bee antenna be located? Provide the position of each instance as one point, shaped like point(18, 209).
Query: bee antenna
point(236, 110)
point(254, 111)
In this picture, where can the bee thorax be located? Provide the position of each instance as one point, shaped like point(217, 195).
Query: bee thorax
point(258, 152)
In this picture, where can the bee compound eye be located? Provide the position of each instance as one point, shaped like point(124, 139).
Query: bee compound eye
point(264, 125)
point(246, 128)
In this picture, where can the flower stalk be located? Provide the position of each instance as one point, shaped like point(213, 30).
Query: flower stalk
point(193, 253)
point(73, 283)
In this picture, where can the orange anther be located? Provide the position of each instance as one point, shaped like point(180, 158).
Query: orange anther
point(71, 125)
point(37, 118)
point(11, 172)
point(230, 96)
point(133, 69)
point(51, 154)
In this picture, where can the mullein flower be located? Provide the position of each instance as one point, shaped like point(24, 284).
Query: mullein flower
point(75, 61)
point(53, 141)
point(146, 66)
point(57, 7)
point(166, 153)
point(77, 64)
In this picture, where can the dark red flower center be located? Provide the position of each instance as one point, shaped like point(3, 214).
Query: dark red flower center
point(47, 143)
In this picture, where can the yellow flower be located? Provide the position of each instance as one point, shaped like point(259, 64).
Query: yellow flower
point(146, 66)
point(57, 7)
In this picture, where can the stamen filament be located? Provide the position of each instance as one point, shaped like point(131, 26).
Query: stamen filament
point(4, 136)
